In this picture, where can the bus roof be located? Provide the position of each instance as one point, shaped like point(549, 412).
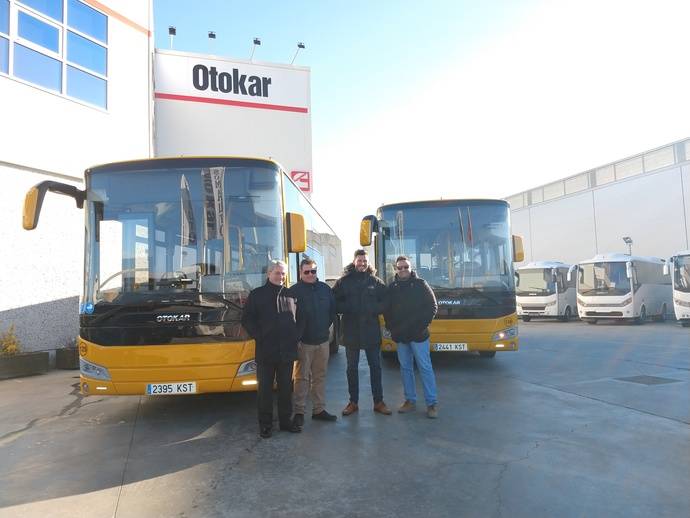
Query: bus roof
point(544, 265)
point(421, 203)
point(621, 258)
point(149, 162)
point(683, 253)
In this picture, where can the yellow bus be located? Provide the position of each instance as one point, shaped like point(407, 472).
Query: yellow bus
point(465, 251)
point(172, 248)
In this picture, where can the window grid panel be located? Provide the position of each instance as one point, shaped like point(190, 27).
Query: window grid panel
point(87, 19)
point(51, 9)
point(4, 55)
point(36, 68)
point(5, 17)
point(29, 29)
point(86, 53)
point(86, 87)
point(44, 55)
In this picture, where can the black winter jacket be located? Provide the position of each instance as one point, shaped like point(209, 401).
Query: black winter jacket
point(410, 308)
point(317, 304)
point(360, 297)
point(276, 331)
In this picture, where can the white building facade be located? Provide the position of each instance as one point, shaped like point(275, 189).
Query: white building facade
point(645, 197)
point(75, 83)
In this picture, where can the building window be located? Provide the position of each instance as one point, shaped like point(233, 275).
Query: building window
point(516, 202)
point(553, 190)
point(577, 183)
point(58, 45)
point(536, 196)
point(663, 157)
point(605, 175)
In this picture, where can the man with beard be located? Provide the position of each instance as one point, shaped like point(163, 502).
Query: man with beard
point(360, 298)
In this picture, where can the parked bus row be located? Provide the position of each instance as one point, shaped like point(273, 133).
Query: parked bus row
point(606, 287)
point(173, 247)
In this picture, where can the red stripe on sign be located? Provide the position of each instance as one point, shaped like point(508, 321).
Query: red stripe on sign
point(243, 104)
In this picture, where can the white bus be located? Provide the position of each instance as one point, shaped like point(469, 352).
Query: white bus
point(679, 266)
point(622, 287)
point(543, 290)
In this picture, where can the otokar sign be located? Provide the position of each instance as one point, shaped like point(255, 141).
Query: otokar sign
point(283, 88)
point(212, 106)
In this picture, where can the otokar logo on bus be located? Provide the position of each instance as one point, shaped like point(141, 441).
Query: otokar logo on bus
point(204, 77)
point(173, 318)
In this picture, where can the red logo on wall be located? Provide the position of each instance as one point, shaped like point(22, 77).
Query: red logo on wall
point(302, 179)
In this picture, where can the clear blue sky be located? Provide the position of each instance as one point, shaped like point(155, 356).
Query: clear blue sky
point(428, 99)
point(361, 53)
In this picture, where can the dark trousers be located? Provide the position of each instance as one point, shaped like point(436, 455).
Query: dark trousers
point(266, 372)
point(374, 361)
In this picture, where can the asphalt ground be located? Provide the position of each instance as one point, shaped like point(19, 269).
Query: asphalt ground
point(583, 421)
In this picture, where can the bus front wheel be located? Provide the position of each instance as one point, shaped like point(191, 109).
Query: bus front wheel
point(566, 314)
point(643, 316)
point(487, 354)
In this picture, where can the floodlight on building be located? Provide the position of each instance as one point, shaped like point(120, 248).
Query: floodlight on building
point(300, 46)
point(628, 241)
point(172, 32)
point(211, 40)
point(257, 42)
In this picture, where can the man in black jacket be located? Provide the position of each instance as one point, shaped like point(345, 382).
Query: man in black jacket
point(410, 309)
point(270, 317)
point(360, 298)
point(316, 302)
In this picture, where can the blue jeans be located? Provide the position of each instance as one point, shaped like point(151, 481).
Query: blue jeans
point(408, 354)
point(374, 361)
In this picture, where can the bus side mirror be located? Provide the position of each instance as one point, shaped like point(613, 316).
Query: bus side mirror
point(296, 232)
point(570, 272)
point(34, 200)
point(366, 230)
point(629, 270)
point(518, 250)
point(666, 268)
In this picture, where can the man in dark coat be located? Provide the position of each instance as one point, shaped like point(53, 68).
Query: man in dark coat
point(360, 298)
point(317, 305)
point(410, 309)
point(270, 317)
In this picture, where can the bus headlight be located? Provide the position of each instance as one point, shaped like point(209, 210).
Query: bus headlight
point(511, 332)
point(385, 333)
point(246, 368)
point(682, 303)
point(91, 370)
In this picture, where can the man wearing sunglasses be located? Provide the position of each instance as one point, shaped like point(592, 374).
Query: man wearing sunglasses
point(317, 304)
point(360, 297)
point(410, 308)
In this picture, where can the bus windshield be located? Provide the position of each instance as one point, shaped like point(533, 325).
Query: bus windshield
point(461, 248)
point(681, 273)
point(535, 282)
point(196, 234)
point(605, 278)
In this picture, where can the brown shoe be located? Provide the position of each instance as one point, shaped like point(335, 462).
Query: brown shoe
point(381, 408)
point(432, 412)
point(407, 406)
point(351, 408)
